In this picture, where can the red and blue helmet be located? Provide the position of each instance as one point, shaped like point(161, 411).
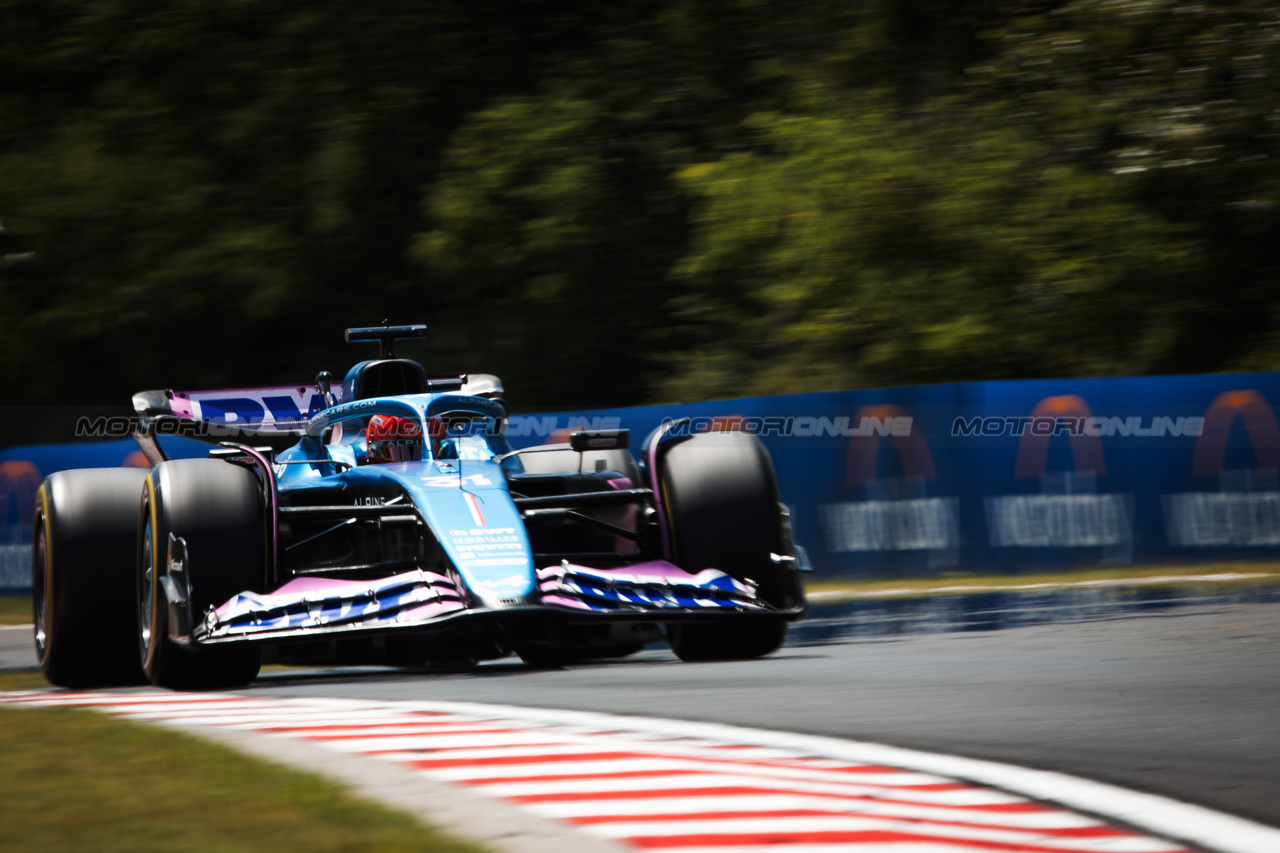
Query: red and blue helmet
point(393, 439)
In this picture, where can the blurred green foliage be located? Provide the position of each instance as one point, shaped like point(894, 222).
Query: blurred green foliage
point(636, 202)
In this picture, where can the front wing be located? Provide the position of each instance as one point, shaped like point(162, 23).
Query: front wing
point(308, 607)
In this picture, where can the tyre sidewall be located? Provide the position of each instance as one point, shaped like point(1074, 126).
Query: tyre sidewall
point(721, 498)
point(42, 575)
point(84, 578)
point(720, 495)
point(216, 508)
point(153, 654)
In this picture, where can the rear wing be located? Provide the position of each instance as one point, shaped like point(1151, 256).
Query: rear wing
point(275, 416)
point(280, 408)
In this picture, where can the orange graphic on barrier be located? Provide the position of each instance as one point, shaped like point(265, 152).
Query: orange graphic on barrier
point(135, 460)
point(1033, 447)
point(913, 451)
point(1259, 421)
point(730, 423)
point(19, 480)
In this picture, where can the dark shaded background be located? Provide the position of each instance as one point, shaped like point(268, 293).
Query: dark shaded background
point(641, 202)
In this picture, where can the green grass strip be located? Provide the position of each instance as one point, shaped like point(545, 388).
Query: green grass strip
point(22, 679)
point(81, 780)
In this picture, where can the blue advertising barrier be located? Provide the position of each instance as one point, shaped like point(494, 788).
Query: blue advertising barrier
point(911, 482)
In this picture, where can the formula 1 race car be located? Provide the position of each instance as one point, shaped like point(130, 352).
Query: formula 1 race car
point(390, 522)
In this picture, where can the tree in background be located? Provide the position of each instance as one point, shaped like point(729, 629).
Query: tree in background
point(639, 202)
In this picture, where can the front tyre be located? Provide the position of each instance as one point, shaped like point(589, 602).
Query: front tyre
point(723, 510)
point(216, 508)
point(81, 577)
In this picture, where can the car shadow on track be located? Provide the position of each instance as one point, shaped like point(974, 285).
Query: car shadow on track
point(506, 668)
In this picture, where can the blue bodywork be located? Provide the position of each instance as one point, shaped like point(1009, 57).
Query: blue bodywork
point(459, 491)
point(463, 499)
point(399, 523)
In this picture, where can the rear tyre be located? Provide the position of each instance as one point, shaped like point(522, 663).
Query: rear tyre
point(216, 507)
point(723, 511)
point(82, 558)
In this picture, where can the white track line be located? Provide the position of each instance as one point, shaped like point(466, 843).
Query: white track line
point(852, 827)
point(681, 786)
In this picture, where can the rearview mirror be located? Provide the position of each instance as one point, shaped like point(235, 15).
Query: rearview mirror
point(605, 439)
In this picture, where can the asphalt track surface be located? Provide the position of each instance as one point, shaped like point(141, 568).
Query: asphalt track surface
point(1185, 703)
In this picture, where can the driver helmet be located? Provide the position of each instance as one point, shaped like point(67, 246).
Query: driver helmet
point(393, 439)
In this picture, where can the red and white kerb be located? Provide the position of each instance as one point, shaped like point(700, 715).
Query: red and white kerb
point(651, 790)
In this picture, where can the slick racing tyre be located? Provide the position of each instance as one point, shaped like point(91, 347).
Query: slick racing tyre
point(699, 641)
point(723, 512)
point(215, 507)
point(83, 540)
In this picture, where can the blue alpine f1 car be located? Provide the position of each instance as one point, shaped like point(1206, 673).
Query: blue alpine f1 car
point(389, 521)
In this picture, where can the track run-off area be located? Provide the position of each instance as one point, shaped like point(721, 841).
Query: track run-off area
point(1155, 733)
point(671, 785)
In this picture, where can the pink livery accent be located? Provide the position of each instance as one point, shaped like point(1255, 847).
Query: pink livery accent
point(306, 602)
point(316, 588)
point(657, 490)
point(180, 404)
point(566, 602)
point(635, 573)
point(273, 516)
point(654, 585)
